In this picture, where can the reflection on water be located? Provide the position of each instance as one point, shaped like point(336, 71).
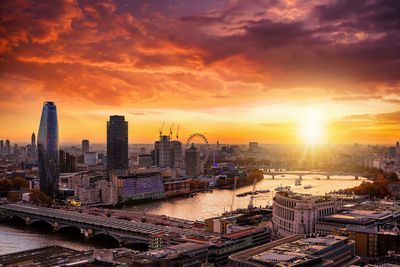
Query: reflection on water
point(16, 236)
point(206, 205)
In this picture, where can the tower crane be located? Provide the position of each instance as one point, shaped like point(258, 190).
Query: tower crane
point(162, 126)
point(253, 195)
point(233, 193)
point(170, 130)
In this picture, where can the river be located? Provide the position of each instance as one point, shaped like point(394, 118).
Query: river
point(16, 237)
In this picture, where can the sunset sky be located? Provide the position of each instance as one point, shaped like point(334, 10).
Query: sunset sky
point(237, 71)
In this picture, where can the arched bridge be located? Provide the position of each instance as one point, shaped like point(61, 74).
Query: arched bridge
point(125, 232)
point(301, 174)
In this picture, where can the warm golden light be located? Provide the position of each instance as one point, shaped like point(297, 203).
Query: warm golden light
point(312, 129)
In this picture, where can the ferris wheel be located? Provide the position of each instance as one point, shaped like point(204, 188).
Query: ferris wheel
point(189, 140)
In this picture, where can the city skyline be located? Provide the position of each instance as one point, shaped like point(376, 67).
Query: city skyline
point(271, 71)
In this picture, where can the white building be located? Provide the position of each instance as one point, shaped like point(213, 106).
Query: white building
point(90, 158)
point(296, 213)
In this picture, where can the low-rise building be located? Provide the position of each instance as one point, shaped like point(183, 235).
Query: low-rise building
point(298, 250)
point(366, 214)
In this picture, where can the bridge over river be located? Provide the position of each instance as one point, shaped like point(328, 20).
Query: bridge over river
point(124, 231)
point(300, 174)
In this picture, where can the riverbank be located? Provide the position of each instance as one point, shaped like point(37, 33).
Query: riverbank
point(207, 205)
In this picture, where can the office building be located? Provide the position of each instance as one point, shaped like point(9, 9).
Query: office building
point(192, 161)
point(253, 147)
point(90, 158)
point(371, 214)
point(295, 213)
point(61, 161)
point(176, 154)
point(164, 152)
point(117, 143)
point(1, 147)
point(33, 142)
point(85, 146)
point(70, 162)
point(141, 186)
point(156, 154)
point(7, 147)
point(145, 160)
point(392, 152)
point(297, 250)
point(48, 150)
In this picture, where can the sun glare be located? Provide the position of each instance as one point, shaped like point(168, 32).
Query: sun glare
point(312, 128)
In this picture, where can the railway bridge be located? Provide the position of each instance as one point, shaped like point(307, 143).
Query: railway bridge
point(123, 231)
point(300, 174)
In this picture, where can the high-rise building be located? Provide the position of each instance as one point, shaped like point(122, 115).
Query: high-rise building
point(176, 154)
point(1, 147)
point(164, 151)
point(156, 154)
point(397, 150)
point(62, 161)
point(192, 161)
point(85, 146)
point(70, 163)
point(392, 152)
point(33, 142)
point(117, 143)
point(253, 147)
point(48, 150)
point(8, 147)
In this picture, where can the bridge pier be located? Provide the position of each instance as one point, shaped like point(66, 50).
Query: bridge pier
point(328, 177)
point(90, 232)
point(273, 176)
point(356, 177)
point(28, 220)
point(300, 177)
point(56, 226)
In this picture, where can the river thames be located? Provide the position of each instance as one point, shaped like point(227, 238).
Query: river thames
point(19, 237)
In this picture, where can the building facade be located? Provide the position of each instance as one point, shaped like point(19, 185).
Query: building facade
point(7, 149)
point(117, 143)
point(85, 146)
point(176, 154)
point(192, 161)
point(48, 150)
point(297, 213)
point(164, 151)
point(297, 250)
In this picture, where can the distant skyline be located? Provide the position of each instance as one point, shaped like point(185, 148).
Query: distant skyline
point(272, 71)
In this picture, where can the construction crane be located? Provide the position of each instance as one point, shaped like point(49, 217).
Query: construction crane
point(233, 193)
point(170, 130)
point(253, 195)
point(177, 133)
point(162, 126)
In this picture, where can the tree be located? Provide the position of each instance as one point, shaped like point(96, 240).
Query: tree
point(13, 197)
point(393, 177)
point(39, 198)
point(5, 187)
point(19, 183)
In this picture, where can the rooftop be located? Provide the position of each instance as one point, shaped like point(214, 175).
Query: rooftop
point(290, 251)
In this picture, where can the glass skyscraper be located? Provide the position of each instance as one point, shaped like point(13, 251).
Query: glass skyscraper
point(117, 143)
point(47, 145)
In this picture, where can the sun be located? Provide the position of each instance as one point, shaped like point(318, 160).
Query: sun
point(311, 128)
